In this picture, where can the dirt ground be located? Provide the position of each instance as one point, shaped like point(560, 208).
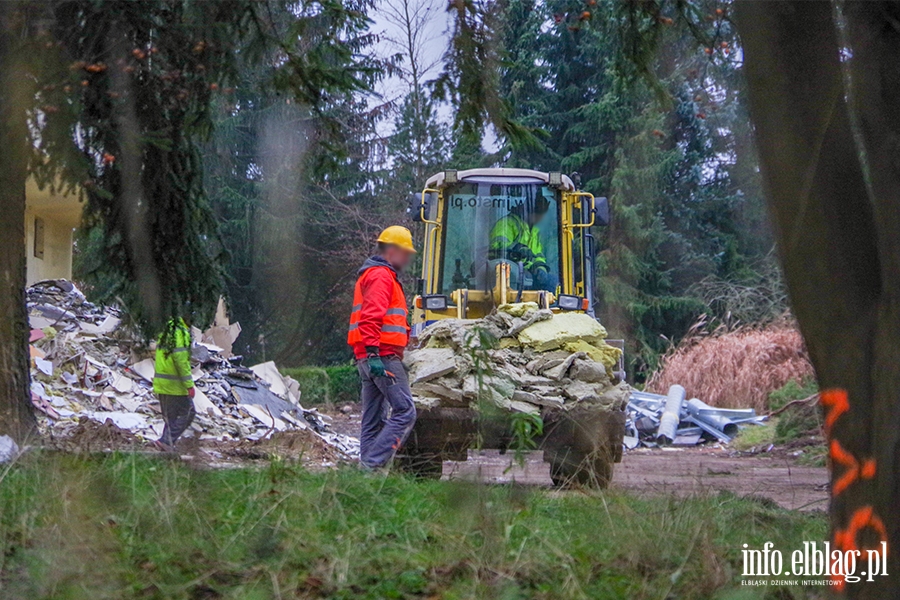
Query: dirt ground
point(686, 471)
point(682, 471)
point(706, 469)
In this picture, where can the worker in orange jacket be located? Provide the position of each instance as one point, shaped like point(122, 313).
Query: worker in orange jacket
point(378, 335)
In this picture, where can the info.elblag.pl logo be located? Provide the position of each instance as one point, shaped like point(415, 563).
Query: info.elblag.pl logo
point(814, 564)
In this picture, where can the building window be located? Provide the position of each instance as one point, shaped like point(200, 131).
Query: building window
point(38, 237)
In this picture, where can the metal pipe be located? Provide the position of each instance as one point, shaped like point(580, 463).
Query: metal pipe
point(701, 411)
point(671, 415)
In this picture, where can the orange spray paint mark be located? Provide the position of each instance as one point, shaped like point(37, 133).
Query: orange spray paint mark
point(836, 404)
point(846, 539)
point(854, 470)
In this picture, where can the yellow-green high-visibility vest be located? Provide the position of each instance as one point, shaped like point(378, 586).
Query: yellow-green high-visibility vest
point(511, 230)
point(173, 365)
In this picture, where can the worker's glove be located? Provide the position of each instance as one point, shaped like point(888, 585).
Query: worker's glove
point(192, 392)
point(521, 252)
point(376, 366)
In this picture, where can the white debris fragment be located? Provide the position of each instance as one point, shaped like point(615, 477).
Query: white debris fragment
point(44, 366)
point(146, 368)
point(121, 383)
point(8, 449)
point(265, 417)
point(268, 372)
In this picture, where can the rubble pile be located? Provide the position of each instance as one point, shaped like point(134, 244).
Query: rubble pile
point(85, 364)
point(520, 358)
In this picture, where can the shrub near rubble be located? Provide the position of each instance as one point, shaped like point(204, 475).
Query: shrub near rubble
point(735, 369)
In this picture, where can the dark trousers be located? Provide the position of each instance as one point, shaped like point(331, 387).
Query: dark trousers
point(178, 413)
point(388, 412)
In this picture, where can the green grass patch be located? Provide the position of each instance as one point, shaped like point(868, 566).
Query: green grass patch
point(752, 436)
point(326, 385)
point(127, 526)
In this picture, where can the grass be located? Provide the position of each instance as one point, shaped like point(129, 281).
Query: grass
point(128, 526)
point(753, 436)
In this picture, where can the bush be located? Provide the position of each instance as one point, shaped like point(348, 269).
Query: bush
point(344, 383)
point(799, 420)
point(326, 385)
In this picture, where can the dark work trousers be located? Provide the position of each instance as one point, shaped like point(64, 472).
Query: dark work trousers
point(177, 412)
point(388, 413)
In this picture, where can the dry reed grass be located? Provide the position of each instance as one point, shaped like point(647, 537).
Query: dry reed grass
point(735, 369)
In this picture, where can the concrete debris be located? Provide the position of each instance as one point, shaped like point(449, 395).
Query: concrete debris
point(654, 420)
point(564, 328)
point(8, 449)
point(517, 359)
point(431, 363)
point(87, 364)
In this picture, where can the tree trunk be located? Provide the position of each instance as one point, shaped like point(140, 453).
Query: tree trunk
point(837, 240)
point(16, 416)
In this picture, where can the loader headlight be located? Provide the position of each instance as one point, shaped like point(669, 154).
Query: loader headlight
point(567, 302)
point(435, 302)
point(451, 176)
point(554, 179)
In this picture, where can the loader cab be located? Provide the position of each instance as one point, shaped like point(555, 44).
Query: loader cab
point(495, 236)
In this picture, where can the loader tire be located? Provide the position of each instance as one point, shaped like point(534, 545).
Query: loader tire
point(573, 469)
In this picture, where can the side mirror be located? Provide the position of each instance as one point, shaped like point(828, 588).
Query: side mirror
point(601, 211)
point(413, 207)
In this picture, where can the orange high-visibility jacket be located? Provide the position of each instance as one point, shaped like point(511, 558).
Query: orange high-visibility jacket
point(378, 318)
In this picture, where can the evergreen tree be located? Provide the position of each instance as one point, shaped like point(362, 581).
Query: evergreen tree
point(667, 149)
point(116, 97)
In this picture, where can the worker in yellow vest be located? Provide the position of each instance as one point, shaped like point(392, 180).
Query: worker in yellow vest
point(173, 383)
point(378, 335)
point(516, 237)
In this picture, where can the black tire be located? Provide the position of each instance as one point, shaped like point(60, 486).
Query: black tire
point(572, 469)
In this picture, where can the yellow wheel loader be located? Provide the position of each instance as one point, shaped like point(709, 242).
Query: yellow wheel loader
point(494, 238)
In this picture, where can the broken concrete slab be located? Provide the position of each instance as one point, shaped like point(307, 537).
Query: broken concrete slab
point(589, 371)
point(448, 391)
point(431, 363)
point(546, 361)
point(602, 353)
point(563, 328)
point(559, 371)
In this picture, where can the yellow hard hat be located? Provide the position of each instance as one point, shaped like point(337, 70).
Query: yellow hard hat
point(397, 235)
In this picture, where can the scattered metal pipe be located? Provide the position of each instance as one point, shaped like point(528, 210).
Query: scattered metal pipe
point(668, 422)
point(700, 411)
point(709, 429)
